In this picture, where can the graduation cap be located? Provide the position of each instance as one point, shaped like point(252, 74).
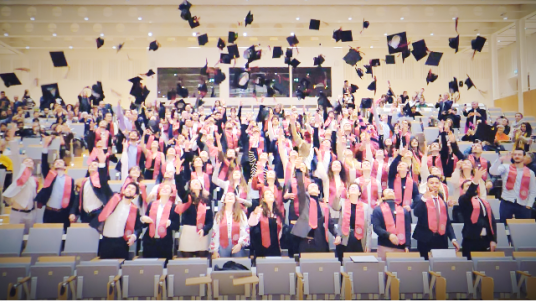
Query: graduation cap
point(10, 79)
point(100, 42)
point(369, 70)
point(352, 57)
point(454, 43)
point(185, 10)
point(233, 51)
point(225, 58)
point(365, 25)
point(469, 83)
point(485, 132)
point(203, 70)
point(314, 24)
point(261, 80)
point(353, 88)
point(50, 91)
point(182, 91)
point(219, 77)
point(460, 83)
point(120, 46)
point(277, 52)
point(337, 35)
point(270, 92)
point(292, 40)
point(453, 86)
point(58, 58)
point(288, 53)
point(241, 79)
point(181, 104)
point(295, 63)
point(389, 59)
point(251, 54)
point(154, 45)
point(202, 88)
point(232, 37)
point(323, 100)
point(434, 58)
point(221, 44)
point(172, 95)
point(419, 49)
point(135, 80)
point(430, 78)
point(249, 18)
point(366, 103)
point(193, 22)
point(359, 72)
point(397, 43)
point(372, 86)
point(375, 62)
point(202, 39)
point(477, 44)
point(346, 36)
point(304, 83)
point(317, 61)
point(150, 73)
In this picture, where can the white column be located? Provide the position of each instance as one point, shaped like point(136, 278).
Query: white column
point(495, 68)
point(521, 62)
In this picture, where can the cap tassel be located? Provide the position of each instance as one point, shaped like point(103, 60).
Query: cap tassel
point(456, 26)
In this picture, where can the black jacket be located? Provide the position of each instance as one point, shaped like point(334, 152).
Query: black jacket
point(422, 231)
point(473, 230)
point(104, 193)
point(483, 116)
point(381, 230)
point(443, 107)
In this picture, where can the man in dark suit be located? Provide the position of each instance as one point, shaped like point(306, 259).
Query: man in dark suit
point(473, 115)
point(433, 229)
point(479, 229)
point(444, 104)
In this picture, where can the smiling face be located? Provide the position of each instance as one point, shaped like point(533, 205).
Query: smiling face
point(312, 189)
point(165, 190)
point(198, 162)
point(435, 147)
point(93, 167)
point(433, 185)
point(336, 166)
point(268, 196)
point(134, 172)
point(230, 198)
point(270, 175)
point(354, 190)
point(195, 185)
point(130, 191)
point(402, 168)
point(476, 148)
point(59, 164)
point(231, 153)
point(366, 166)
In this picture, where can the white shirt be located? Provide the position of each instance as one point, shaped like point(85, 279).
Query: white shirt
point(23, 195)
point(202, 181)
point(91, 201)
point(159, 212)
point(510, 195)
point(379, 176)
point(114, 226)
point(56, 196)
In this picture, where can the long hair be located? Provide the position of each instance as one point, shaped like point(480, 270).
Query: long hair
point(238, 213)
point(266, 210)
point(241, 183)
point(342, 174)
point(528, 128)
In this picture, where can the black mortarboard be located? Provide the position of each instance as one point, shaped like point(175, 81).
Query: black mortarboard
point(277, 52)
point(353, 88)
point(337, 35)
point(419, 49)
point(181, 104)
point(485, 132)
point(202, 39)
point(469, 83)
point(346, 36)
point(135, 80)
point(288, 53)
point(405, 54)
point(366, 103)
point(185, 10)
point(100, 42)
point(323, 100)
point(202, 87)
point(390, 59)
point(233, 51)
point(453, 86)
point(304, 83)
point(454, 43)
point(314, 24)
point(365, 24)
point(120, 46)
point(241, 79)
point(460, 83)
point(182, 91)
point(359, 72)
point(225, 58)
point(292, 40)
point(150, 73)
point(261, 80)
point(369, 70)
point(203, 70)
point(434, 58)
point(352, 57)
point(317, 61)
point(478, 43)
point(50, 90)
point(430, 78)
point(397, 43)
point(172, 95)
point(154, 45)
point(219, 77)
point(295, 63)
point(372, 86)
point(10, 79)
point(58, 58)
point(287, 60)
point(249, 18)
point(193, 22)
point(232, 37)
point(221, 44)
point(375, 62)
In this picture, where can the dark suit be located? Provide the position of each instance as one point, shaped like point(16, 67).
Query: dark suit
point(471, 232)
point(160, 247)
point(483, 116)
point(380, 229)
point(426, 239)
point(444, 107)
point(104, 193)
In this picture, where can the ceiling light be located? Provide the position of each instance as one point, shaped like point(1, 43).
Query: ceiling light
point(402, 18)
point(478, 34)
point(431, 34)
point(505, 18)
point(113, 47)
point(350, 19)
point(150, 34)
point(292, 34)
point(54, 34)
point(6, 34)
point(32, 18)
point(245, 34)
point(27, 47)
point(499, 41)
point(371, 46)
point(174, 74)
point(102, 35)
point(70, 47)
point(453, 18)
point(298, 18)
point(194, 34)
point(139, 18)
point(385, 34)
point(86, 18)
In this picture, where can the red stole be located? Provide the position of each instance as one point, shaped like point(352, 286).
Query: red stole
point(99, 134)
point(131, 220)
point(206, 183)
point(365, 189)
point(433, 224)
point(313, 213)
point(333, 191)
point(265, 230)
point(476, 211)
point(200, 215)
point(160, 142)
point(68, 187)
point(437, 162)
point(157, 163)
point(232, 139)
point(235, 232)
point(162, 230)
point(483, 163)
point(94, 180)
point(525, 181)
point(400, 229)
point(407, 192)
point(24, 177)
point(446, 190)
point(359, 219)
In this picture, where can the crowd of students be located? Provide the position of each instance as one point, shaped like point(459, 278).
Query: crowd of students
point(223, 178)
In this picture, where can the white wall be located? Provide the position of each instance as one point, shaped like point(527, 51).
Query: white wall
point(508, 66)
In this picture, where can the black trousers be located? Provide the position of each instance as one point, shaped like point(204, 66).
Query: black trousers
point(87, 217)
point(475, 245)
point(354, 246)
point(61, 216)
point(157, 248)
point(113, 248)
point(437, 242)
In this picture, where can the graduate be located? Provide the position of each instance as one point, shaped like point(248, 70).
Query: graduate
point(168, 179)
point(266, 224)
point(161, 220)
point(230, 233)
point(119, 223)
point(57, 194)
point(355, 231)
point(404, 186)
point(94, 191)
point(392, 224)
point(134, 176)
point(370, 186)
point(132, 154)
point(235, 183)
point(155, 161)
point(434, 228)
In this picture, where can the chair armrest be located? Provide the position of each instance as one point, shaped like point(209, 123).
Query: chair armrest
point(476, 273)
point(199, 280)
point(522, 273)
point(113, 287)
point(63, 289)
point(162, 290)
point(13, 289)
point(345, 275)
point(246, 280)
point(435, 274)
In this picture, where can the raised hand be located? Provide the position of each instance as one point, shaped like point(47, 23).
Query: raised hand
point(478, 174)
point(506, 158)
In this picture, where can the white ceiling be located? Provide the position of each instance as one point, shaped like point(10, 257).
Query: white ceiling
point(59, 24)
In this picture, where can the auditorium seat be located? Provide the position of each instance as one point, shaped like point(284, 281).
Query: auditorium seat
point(502, 240)
point(366, 279)
point(179, 270)
point(93, 278)
point(522, 234)
point(47, 273)
point(223, 287)
point(81, 241)
point(526, 262)
point(412, 271)
point(45, 239)
point(12, 236)
point(141, 278)
point(495, 206)
point(431, 133)
point(78, 129)
point(458, 273)
point(321, 277)
point(277, 276)
point(503, 272)
point(13, 273)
